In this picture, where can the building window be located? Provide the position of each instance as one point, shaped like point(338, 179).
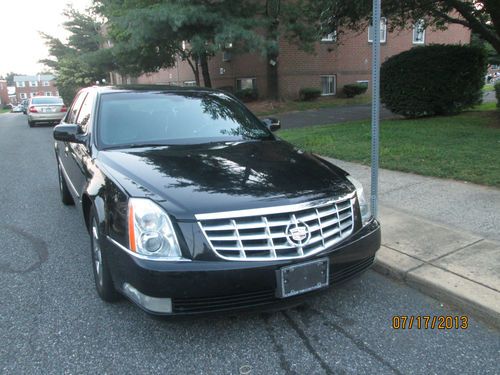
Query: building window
point(48, 93)
point(328, 85)
point(33, 83)
point(21, 84)
point(190, 83)
point(32, 94)
point(46, 83)
point(363, 82)
point(383, 31)
point(23, 95)
point(419, 32)
point(329, 38)
point(245, 83)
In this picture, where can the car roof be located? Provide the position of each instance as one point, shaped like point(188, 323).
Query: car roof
point(151, 88)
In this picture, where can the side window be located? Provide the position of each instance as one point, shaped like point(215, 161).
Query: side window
point(84, 115)
point(75, 108)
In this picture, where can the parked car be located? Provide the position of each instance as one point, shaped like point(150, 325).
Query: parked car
point(45, 109)
point(194, 206)
point(17, 109)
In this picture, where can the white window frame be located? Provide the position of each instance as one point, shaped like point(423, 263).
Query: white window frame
point(334, 84)
point(33, 84)
point(23, 95)
point(416, 26)
point(329, 38)
point(253, 79)
point(383, 31)
point(48, 93)
point(46, 83)
point(32, 94)
point(189, 83)
point(21, 84)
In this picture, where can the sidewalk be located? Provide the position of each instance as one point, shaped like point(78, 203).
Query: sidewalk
point(440, 236)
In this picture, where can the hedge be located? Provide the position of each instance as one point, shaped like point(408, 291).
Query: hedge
point(353, 89)
point(433, 80)
point(309, 93)
point(247, 95)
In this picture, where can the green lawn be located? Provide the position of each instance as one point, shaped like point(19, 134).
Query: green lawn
point(4, 110)
point(464, 147)
point(488, 87)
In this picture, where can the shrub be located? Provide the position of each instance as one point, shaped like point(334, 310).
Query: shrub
point(497, 92)
point(433, 80)
point(353, 89)
point(229, 89)
point(247, 95)
point(309, 93)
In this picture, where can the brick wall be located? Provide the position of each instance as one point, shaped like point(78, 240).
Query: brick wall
point(38, 90)
point(348, 60)
point(4, 94)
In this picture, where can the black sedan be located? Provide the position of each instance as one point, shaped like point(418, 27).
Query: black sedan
point(194, 206)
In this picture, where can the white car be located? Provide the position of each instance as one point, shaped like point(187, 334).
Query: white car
point(45, 109)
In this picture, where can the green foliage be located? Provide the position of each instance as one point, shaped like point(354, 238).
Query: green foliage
point(309, 93)
point(80, 61)
point(497, 93)
point(353, 89)
point(247, 95)
point(433, 80)
point(342, 15)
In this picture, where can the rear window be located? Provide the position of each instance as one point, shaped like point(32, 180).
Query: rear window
point(175, 118)
point(47, 100)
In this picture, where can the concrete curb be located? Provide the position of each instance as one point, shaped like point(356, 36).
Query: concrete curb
point(470, 297)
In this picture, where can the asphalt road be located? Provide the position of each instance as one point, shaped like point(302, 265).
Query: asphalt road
point(52, 322)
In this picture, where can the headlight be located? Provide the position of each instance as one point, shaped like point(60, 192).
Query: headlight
point(151, 233)
point(363, 205)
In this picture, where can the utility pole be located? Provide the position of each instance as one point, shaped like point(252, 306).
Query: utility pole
point(375, 106)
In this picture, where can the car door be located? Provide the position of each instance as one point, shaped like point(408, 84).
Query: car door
point(65, 149)
point(79, 153)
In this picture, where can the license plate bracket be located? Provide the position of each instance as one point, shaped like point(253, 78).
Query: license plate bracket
point(302, 278)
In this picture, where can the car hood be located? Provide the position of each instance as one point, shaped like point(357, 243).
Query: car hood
point(187, 180)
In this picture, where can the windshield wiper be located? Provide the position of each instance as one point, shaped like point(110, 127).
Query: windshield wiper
point(136, 145)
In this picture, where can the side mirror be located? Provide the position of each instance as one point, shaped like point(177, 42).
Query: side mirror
point(68, 133)
point(271, 123)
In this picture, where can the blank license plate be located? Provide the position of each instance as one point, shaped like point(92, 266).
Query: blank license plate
point(302, 278)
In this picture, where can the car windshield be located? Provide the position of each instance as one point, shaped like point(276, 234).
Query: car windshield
point(166, 118)
point(47, 100)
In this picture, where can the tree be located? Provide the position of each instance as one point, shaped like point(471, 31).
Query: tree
point(9, 77)
point(148, 35)
point(480, 16)
point(80, 61)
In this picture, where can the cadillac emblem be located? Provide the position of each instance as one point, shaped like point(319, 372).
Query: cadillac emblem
point(298, 233)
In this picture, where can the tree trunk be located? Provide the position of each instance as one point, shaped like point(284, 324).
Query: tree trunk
point(195, 68)
point(204, 70)
point(273, 8)
point(272, 76)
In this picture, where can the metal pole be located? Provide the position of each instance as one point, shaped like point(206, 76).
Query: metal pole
point(375, 106)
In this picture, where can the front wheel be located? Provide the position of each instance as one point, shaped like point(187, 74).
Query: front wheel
point(102, 275)
point(31, 123)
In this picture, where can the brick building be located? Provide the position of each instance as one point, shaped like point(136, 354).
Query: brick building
point(333, 64)
point(38, 85)
point(4, 93)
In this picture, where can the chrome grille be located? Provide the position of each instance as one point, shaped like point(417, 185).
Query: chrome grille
point(264, 233)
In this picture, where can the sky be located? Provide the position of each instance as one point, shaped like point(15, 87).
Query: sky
point(21, 46)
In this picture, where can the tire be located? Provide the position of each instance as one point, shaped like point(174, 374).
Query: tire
point(31, 123)
point(102, 275)
point(66, 197)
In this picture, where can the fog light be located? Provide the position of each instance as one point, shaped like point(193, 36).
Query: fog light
point(153, 304)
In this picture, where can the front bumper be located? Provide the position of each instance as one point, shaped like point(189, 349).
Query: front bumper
point(212, 286)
